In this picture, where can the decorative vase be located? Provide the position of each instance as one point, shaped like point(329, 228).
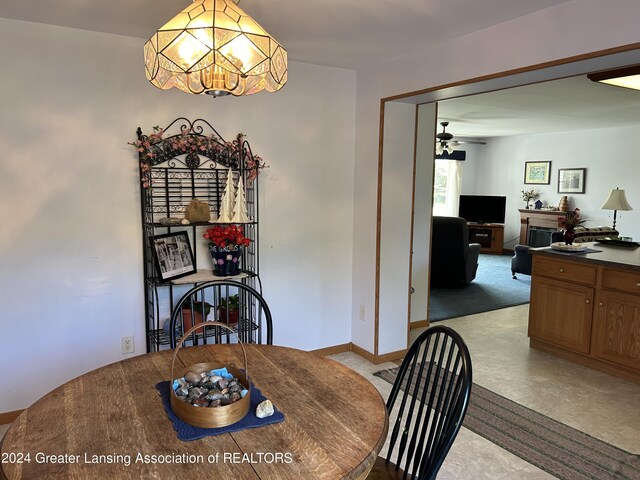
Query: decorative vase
point(226, 260)
point(569, 236)
point(564, 204)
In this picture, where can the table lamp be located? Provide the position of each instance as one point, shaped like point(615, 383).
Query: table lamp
point(616, 201)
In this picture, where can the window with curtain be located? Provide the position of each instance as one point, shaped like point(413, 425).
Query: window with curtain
point(446, 187)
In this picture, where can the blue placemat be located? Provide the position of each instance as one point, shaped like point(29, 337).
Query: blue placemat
point(188, 432)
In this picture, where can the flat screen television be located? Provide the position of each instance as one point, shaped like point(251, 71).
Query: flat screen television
point(482, 208)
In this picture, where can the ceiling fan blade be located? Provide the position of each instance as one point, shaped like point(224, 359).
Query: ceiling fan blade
point(474, 142)
point(445, 137)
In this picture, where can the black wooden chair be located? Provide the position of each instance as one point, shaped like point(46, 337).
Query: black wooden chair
point(235, 304)
point(431, 396)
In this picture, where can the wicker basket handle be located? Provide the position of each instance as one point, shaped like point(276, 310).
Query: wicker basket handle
point(199, 325)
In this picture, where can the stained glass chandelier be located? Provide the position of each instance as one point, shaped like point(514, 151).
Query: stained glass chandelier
point(214, 47)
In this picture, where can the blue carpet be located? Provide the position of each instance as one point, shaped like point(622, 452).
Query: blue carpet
point(493, 288)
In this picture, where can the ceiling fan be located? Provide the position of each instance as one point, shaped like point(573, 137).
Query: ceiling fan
point(445, 141)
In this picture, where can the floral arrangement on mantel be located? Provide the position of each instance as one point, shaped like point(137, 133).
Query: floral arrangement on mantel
point(528, 195)
point(226, 236)
point(571, 220)
point(188, 143)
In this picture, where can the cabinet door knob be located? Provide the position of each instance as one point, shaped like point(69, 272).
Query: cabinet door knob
point(601, 304)
point(562, 270)
point(587, 301)
point(638, 284)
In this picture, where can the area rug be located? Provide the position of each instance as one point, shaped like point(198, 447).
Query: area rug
point(493, 288)
point(554, 447)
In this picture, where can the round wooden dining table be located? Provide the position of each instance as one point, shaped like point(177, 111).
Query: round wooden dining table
point(335, 423)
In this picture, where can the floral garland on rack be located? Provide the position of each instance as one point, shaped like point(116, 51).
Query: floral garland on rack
point(189, 143)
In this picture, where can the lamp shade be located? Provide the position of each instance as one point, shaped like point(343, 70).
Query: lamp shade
point(214, 47)
point(616, 201)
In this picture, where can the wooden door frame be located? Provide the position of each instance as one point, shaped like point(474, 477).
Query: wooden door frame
point(537, 73)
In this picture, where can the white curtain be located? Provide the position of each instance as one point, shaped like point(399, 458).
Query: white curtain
point(448, 177)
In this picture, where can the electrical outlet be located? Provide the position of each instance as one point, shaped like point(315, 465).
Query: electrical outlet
point(127, 345)
point(363, 312)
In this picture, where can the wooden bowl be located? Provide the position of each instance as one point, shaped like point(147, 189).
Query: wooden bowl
point(210, 417)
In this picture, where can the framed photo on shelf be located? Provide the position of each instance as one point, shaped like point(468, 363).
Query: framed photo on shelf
point(537, 173)
point(571, 180)
point(173, 255)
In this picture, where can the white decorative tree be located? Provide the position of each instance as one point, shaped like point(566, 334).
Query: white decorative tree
point(240, 208)
point(226, 203)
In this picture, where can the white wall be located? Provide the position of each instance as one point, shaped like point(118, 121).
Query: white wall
point(470, 167)
point(610, 156)
point(70, 246)
point(572, 28)
point(422, 207)
point(395, 238)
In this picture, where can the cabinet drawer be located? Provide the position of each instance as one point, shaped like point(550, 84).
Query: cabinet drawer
point(564, 270)
point(625, 281)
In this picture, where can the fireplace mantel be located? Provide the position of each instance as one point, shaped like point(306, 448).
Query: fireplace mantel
point(537, 218)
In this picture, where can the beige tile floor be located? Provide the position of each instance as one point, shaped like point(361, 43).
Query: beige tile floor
point(596, 403)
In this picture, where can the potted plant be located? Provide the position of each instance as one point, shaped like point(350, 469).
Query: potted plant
point(225, 245)
point(199, 313)
point(569, 223)
point(528, 195)
point(230, 305)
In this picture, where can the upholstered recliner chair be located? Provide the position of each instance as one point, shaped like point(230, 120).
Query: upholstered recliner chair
point(521, 261)
point(454, 260)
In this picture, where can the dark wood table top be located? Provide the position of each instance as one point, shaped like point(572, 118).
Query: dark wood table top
point(606, 255)
point(335, 423)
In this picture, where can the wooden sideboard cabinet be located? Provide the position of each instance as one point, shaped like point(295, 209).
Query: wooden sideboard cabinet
point(490, 236)
point(586, 309)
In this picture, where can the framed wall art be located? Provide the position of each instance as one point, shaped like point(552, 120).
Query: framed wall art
point(173, 255)
point(537, 173)
point(571, 180)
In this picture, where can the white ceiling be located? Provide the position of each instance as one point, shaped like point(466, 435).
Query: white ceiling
point(568, 104)
point(357, 33)
point(339, 33)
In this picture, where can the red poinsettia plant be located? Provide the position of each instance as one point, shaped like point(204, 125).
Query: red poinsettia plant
point(571, 220)
point(226, 236)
